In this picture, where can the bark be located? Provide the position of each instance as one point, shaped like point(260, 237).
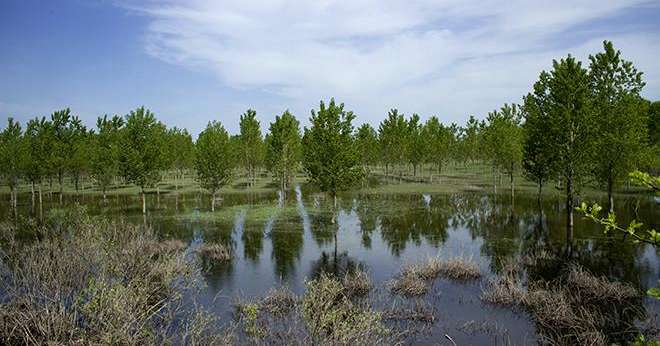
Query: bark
point(32, 190)
point(610, 198)
point(41, 204)
point(569, 214)
point(144, 202)
point(60, 179)
point(538, 198)
point(213, 201)
point(512, 186)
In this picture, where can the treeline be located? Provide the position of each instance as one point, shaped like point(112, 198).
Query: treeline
point(578, 124)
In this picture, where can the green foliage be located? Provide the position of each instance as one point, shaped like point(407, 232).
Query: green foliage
point(39, 139)
point(283, 145)
point(538, 157)
point(366, 141)
point(503, 137)
point(106, 150)
point(251, 143)
point(417, 143)
point(633, 230)
point(12, 153)
point(180, 150)
point(440, 141)
point(392, 136)
point(650, 182)
point(213, 157)
point(330, 155)
point(142, 140)
point(470, 144)
point(622, 137)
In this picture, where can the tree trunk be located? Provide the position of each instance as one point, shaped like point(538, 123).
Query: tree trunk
point(610, 198)
point(32, 190)
point(144, 202)
point(512, 186)
point(414, 170)
point(60, 179)
point(213, 201)
point(538, 198)
point(569, 215)
point(41, 204)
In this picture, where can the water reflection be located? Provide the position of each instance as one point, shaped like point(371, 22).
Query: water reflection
point(306, 235)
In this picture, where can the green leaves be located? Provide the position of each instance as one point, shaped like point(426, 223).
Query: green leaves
point(142, 144)
point(213, 157)
point(330, 155)
point(283, 148)
point(633, 230)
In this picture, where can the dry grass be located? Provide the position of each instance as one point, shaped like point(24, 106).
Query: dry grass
point(332, 318)
point(215, 251)
point(280, 301)
point(415, 279)
point(357, 284)
point(578, 308)
point(94, 282)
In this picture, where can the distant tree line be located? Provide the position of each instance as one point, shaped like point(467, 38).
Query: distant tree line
point(578, 124)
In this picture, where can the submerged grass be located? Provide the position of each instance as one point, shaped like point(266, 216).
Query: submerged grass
point(576, 308)
point(416, 279)
point(96, 282)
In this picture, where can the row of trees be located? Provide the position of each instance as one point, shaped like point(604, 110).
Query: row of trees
point(577, 124)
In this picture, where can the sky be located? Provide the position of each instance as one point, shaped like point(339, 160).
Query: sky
point(192, 61)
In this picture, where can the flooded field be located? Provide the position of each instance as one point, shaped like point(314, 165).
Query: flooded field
point(285, 241)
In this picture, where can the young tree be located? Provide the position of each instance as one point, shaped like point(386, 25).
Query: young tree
point(392, 136)
point(12, 156)
point(503, 138)
point(283, 149)
point(181, 152)
point(470, 140)
point(106, 151)
point(538, 157)
point(417, 143)
point(439, 140)
point(251, 144)
point(366, 140)
point(213, 159)
point(62, 149)
point(141, 155)
point(39, 146)
point(80, 151)
point(330, 155)
point(622, 118)
point(569, 128)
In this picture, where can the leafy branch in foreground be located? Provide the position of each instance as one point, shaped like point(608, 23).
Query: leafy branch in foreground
point(592, 212)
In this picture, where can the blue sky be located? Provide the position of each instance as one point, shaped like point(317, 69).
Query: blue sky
point(199, 60)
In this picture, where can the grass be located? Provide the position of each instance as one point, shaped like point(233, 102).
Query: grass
point(215, 252)
point(576, 308)
point(415, 279)
point(97, 282)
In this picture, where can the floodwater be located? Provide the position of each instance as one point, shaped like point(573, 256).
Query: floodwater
point(298, 236)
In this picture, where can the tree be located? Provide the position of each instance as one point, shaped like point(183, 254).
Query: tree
point(538, 157)
point(251, 144)
point(80, 151)
point(569, 127)
point(330, 155)
point(141, 157)
point(62, 150)
point(181, 152)
point(39, 146)
point(417, 143)
point(392, 136)
point(213, 159)
point(283, 149)
point(654, 123)
point(470, 140)
point(106, 151)
point(439, 140)
point(504, 140)
point(622, 122)
point(366, 140)
point(12, 156)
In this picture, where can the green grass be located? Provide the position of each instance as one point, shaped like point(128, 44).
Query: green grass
point(400, 180)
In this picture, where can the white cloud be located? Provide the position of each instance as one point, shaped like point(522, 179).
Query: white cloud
point(450, 58)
